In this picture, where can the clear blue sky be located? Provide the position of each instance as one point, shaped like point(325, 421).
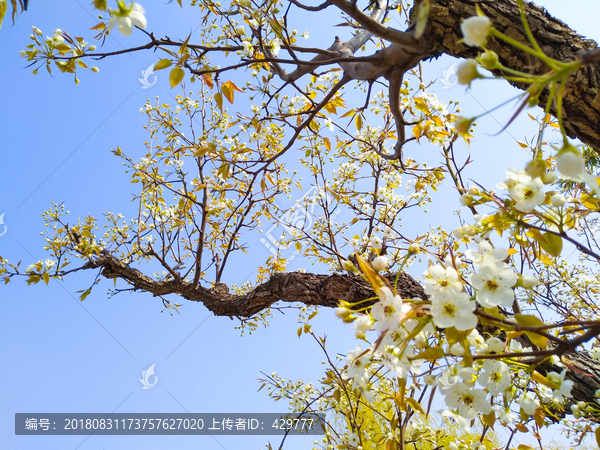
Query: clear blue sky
point(62, 355)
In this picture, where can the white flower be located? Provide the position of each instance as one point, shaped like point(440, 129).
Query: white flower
point(380, 263)
point(352, 439)
point(375, 243)
point(329, 124)
point(487, 254)
point(569, 161)
point(255, 108)
point(467, 71)
point(389, 310)
point(496, 377)
point(454, 312)
point(305, 34)
point(127, 17)
point(513, 177)
point(468, 401)
point(529, 403)
point(495, 345)
point(356, 364)
point(248, 49)
point(494, 286)
point(558, 200)
point(475, 30)
point(362, 325)
point(564, 386)
point(506, 415)
point(528, 194)
point(276, 43)
point(442, 282)
point(457, 350)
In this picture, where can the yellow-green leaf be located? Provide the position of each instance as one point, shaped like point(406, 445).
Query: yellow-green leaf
point(415, 405)
point(552, 244)
point(532, 321)
point(46, 278)
point(373, 277)
point(163, 64)
point(176, 76)
point(430, 354)
point(219, 100)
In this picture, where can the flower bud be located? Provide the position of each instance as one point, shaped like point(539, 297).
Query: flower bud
point(414, 249)
point(558, 200)
point(536, 168)
point(529, 281)
point(380, 263)
point(467, 72)
point(549, 177)
point(475, 30)
point(466, 199)
point(347, 265)
point(462, 125)
point(489, 60)
point(569, 161)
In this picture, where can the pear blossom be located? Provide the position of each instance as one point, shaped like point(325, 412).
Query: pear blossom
point(558, 200)
point(457, 350)
point(564, 386)
point(468, 401)
point(528, 194)
point(495, 345)
point(454, 312)
point(389, 310)
point(375, 243)
point(380, 263)
point(127, 17)
point(569, 161)
point(475, 30)
point(357, 364)
point(529, 281)
point(442, 282)
point(467, 71)
point(529, 403)
point(276, 43)
point(494, 286)
point(248, 49)
point(496, 377)
point(487, 254)
point(362, 325)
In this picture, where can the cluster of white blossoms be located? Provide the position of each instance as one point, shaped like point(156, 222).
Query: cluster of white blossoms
point(451, 306)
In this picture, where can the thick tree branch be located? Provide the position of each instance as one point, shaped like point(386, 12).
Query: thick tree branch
point(582, 101)
point(310, 289)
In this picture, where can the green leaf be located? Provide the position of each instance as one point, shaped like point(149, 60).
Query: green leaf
point(163, 64)
point(46, 278)
point(597, 433)
point(85, 294)
point(176, 76)
point(552, 244)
